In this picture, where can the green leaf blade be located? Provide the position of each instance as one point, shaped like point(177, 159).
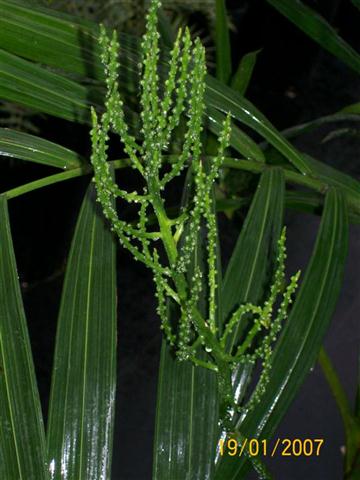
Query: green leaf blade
point(45, 36)
point(335, 178)
point(35, 149)
point(186, 425)
point(239, 140)
point(304, 331)
point(241, 79)
point(225, 99)
point(252, 259)
point(222, 41)
point(353, 109)
point(246, 272)
point(81, 412)
point(35, 87)
point(22, 437)
point(316, 27)
point(71, 99)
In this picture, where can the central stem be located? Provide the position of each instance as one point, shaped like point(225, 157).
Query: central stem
point(166, 235)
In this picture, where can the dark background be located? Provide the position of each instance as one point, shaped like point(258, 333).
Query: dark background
point(294, 81)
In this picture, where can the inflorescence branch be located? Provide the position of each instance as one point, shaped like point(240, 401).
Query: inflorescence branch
point(183, 93)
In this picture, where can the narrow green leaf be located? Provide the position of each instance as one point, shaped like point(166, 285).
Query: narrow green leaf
point(43, 36)
point(304, 201)
point(342, 116)
point(242, 77)
point(316, 27)
point(186, 426)
point(35, 87)
point(62, 41)
point(304, 331)
point(22, 438)
point(333, 177)
point(248, 270)
point(53, 39)
point(81, 412)
point(330, 177)
point(239, 140)
point(35, 149)
point(341, 132)
point(349, 419)
point(222, 43)
point(307, 202)
point(250, 262)
point(226, 100)
point(351, 426)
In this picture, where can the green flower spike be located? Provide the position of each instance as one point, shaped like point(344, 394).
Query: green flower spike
point(182, 95)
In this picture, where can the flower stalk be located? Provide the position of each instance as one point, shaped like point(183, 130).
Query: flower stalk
point(183, 94)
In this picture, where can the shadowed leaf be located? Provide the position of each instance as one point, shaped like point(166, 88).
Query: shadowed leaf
point(316, 27)
point(22, 438)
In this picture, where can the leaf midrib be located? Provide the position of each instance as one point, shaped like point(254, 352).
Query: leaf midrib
point(92, 243)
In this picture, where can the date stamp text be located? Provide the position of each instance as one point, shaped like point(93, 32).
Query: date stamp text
point(285, 447)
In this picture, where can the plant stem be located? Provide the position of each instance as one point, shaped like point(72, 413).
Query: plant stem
point(201, 363)
point(229, 162)
point(164, 222)
point(248, 341)
point(59, 177)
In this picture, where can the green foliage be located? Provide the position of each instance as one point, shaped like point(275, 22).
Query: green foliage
point(22, 436)
point(217, 329)
point(316, 27)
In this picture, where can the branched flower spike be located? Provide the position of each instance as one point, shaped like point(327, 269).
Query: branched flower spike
point(183, 93)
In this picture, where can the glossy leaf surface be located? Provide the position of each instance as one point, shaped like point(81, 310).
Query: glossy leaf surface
point(72, 98)
point(41, 90)
point(22, 438)
point(247, 274)
point(342, 116)
point(186, 427)
point(50, 38)
point(35, 149)
point(226, 100)
point(240, 141)
point(81, 412)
